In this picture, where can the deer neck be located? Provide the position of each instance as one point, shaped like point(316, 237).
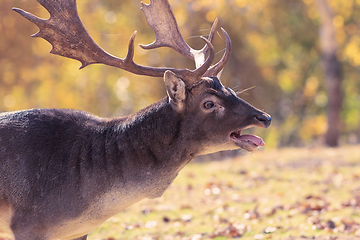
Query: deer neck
point(154, 148)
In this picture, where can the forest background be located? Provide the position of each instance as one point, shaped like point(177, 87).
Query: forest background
point(276, 62)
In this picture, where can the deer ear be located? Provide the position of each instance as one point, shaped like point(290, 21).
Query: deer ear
point(176, 90)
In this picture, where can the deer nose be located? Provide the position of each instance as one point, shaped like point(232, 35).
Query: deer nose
point(264, 118)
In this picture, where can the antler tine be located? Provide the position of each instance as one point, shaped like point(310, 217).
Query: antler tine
point(202, 53)
point(161, 19)
point(29, 16)
point(199, 72)
point(217, 68)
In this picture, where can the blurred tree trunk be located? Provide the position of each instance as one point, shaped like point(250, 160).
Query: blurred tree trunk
point(332, 68)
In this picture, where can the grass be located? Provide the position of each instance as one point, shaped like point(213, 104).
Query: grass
point(268, 194)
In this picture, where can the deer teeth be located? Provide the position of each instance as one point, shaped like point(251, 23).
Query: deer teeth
point(236, 134)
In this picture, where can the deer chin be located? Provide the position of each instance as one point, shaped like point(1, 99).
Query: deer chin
point(246, 142)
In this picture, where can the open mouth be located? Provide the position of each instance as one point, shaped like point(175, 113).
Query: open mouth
point(247, 142)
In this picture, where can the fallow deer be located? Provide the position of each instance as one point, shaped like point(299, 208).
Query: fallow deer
point(64, 172)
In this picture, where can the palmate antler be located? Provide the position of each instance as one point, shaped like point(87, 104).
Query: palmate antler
point(69, 38)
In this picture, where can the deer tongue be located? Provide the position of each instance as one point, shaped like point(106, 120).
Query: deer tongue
point(253, 139)
point(247, 142)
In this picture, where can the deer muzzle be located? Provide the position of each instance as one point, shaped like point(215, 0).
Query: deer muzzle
point(251, 142)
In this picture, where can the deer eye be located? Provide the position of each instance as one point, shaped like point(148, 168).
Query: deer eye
point(209, 104)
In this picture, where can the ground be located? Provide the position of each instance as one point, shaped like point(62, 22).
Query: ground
point(286, 194)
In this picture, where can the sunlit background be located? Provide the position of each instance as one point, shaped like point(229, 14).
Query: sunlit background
point(275, 65)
